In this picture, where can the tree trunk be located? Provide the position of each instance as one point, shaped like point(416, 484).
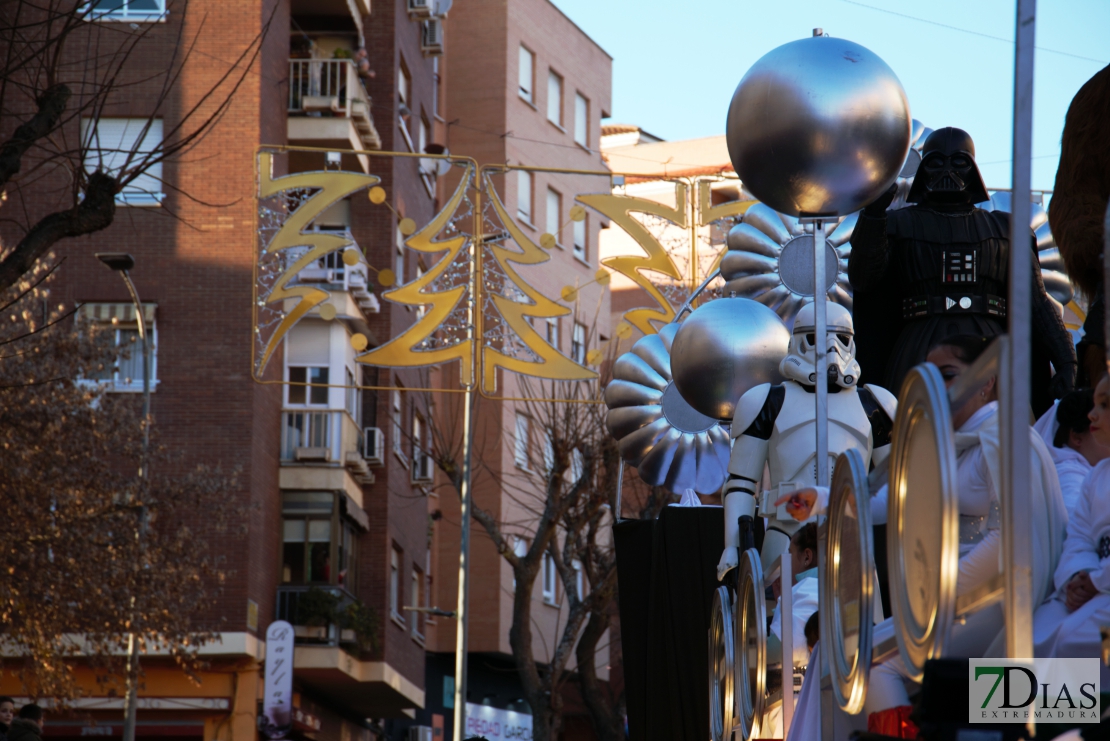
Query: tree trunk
point(607, 715)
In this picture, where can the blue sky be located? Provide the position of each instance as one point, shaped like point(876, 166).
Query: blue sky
point(676, 64)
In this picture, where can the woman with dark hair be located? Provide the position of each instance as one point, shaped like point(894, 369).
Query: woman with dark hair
point(978, 468)
point(1067, 626)
point(1066, 429)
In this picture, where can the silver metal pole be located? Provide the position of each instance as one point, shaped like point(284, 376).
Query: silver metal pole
point(821, 467)
point(462, 607)
point(821, 398)
point(131, 700)
point(786, 613)
point(1017, 519)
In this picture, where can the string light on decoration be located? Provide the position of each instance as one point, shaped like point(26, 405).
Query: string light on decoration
point(548, 240)
point(601, 278)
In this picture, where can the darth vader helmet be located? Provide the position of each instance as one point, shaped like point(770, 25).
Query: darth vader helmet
point(948, 173)
point(800, 363)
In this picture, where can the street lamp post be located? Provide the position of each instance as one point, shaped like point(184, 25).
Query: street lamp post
point(121, 262)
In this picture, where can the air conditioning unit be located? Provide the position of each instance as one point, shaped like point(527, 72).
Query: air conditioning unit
point(373, 446)
point(420, 733)
point(423, 468)
point(312, 455)
point(432, 37)
point(420, 8)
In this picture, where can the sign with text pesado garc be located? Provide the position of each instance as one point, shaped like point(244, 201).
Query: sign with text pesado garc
point(497, 725)
point(277, 702)
point(1040, 690)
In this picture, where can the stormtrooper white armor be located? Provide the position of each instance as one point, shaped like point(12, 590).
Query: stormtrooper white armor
point(776, 425)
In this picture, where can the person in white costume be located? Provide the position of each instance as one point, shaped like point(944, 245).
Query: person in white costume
point(1065, 429)
point(803, 565)
point(978, 467)
point(1067, 626)
point(774, 426)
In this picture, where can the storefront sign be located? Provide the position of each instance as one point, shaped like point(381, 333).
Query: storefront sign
point(277, 703)
point(497, 725)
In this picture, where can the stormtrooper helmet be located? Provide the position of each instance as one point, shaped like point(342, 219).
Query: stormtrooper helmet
point(800, 363)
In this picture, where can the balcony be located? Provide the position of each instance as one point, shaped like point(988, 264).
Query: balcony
point(333, 274)
point(327, 438)
point(321, 632)
point(327, 660)
point(329, 107)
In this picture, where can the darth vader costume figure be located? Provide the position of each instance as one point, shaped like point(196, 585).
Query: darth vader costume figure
point(941, 267)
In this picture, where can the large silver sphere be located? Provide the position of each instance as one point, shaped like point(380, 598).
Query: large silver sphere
point(818, 126)
point(724, 348)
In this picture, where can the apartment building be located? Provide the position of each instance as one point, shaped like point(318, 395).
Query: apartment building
point(529, 89)
point(332, 480)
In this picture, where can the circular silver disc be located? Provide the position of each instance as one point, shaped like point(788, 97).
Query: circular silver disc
point(750, 682)
point(796, 265)
point(722, 667)
point(923, 520)
point(849, 565)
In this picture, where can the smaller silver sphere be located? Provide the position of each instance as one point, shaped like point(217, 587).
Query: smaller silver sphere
point(818, 126)
point(724, 348)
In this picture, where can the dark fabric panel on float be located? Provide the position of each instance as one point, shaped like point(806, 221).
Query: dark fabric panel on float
point(667, 573)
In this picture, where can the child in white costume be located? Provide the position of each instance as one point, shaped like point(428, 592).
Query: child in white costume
point(1065, 428)
point(978, 467)
point(1067, 626)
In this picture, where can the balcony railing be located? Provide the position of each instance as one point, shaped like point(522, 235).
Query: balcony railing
point(328, 437)
point(332, 86)
point(326, 633)
point(331, 269)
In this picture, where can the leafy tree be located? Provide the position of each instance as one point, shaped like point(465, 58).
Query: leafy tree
point(89, 551)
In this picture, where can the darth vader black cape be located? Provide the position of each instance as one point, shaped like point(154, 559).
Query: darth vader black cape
point(911, 268)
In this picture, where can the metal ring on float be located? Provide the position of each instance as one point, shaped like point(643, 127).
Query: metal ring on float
point(923, 520)
point(750, 682)
point(722, 667)
point(849, 587)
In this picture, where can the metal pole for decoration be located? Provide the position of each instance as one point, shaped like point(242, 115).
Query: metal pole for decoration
point(121, 263)
point(1014, 386)
point(462, 609)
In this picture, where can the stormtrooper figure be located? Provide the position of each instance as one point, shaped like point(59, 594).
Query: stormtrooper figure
point(775, 425)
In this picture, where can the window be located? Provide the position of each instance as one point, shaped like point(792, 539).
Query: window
point(418, 444)
point(580, 233)
point(554, 98)
point(554, 213)
point(524, 195)
point(399, 258)
point(549, 579)
point(299, 392)
point(422, 309)
point(113, 145)
point(575, 469)
point(520, 442)
point(417, 590)
point(353, 396)
point(396, 558)
point(126, 373)
point(548, 453)
point(126, 10)
point(314, 537)
point(403, 84)
point(553, 331)
point(579, 580)
point(527, 62)
point(578, 344)
point(520, 549)
point(425, 135)
point(581, 120)
point(397, 418)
